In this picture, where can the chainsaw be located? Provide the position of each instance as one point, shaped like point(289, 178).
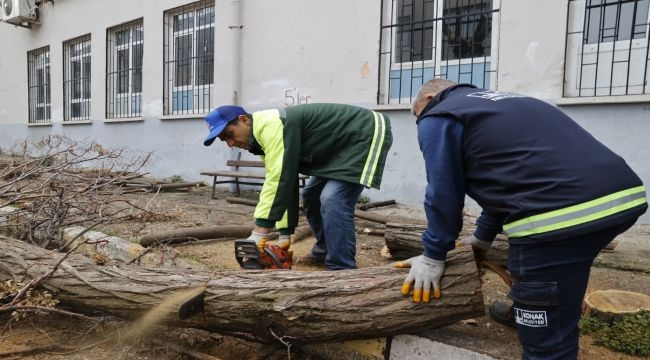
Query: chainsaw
point(253, 256)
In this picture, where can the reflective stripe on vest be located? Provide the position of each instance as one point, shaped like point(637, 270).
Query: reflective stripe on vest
point(577, 214)
point(375, 149)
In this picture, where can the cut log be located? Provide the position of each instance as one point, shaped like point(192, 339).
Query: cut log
point(611, 305)
point(377, 204)
point(301, 233)
point(197, 233)
point(242, 201)
point(365, 215)
point(403, 241)
point(296, 307)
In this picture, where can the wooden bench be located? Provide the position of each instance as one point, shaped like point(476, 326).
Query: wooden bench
point(235, 176)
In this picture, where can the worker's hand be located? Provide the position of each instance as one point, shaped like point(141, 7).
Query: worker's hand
point(480, 247)
point(257, 236)
point(284, 242)
point(425, 272)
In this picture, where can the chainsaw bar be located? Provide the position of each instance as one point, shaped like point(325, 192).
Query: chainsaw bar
point(191, 307)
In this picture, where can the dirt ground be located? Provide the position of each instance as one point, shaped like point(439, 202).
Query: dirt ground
point(59, 337)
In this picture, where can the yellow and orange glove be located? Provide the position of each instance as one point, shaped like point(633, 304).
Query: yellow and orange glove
point(480, 247)
point(425, 273)
point(284, 242)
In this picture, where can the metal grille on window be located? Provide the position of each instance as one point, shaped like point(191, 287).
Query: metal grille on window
point(76, 83)
point(426, 39)
point(38, 63)
point(189, 59)
point(124, 48)
point(607, 48)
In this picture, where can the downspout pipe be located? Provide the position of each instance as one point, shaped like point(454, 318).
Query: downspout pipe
point(236, 28)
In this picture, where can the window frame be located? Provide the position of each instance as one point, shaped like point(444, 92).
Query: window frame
point(125, 104)
point(77, 51)
point(39, 82)
point(175, 95)
point(595, 69)
point(425, 69)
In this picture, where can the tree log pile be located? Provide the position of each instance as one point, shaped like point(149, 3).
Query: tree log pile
point(271, 306)
point(403, 241)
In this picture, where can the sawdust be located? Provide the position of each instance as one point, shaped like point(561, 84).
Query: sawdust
point(147, 323)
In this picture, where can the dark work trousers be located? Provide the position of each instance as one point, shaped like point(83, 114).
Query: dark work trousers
point(551, 280)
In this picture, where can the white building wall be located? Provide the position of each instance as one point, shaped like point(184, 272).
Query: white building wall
point(292, 51)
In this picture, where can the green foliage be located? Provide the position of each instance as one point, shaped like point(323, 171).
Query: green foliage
point(630, 335)
point(176, 178)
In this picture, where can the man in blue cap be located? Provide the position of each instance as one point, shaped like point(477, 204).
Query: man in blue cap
point(342, 147)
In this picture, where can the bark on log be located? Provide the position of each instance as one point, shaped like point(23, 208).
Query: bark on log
point(297, 307)
point(361, 214)
point(377, 204)
point(199, 233)
point(242, 201)
point(180, 185)
point(301, 233)
point(403, 241)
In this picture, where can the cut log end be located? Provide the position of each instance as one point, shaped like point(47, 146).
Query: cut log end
point(612, 304)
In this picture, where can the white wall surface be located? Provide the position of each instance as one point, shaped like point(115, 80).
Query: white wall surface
point(323, 51)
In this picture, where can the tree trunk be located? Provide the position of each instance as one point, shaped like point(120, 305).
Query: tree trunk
point(297, 307)
point(403, 241)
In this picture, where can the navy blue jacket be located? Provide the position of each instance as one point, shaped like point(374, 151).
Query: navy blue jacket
point(517, 157)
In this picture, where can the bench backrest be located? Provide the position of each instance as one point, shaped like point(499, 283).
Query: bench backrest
point(244, 163)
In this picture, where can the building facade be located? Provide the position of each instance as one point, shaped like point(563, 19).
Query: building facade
point(142, 74)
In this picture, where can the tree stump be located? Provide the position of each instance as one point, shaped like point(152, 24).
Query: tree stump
point(611, 305)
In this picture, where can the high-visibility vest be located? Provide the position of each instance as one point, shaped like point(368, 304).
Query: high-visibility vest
point(577, 214)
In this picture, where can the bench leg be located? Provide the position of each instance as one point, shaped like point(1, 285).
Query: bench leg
point(214, 186)
point(237, 190)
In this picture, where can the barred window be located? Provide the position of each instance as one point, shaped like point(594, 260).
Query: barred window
point(76, 75)
point(124, 48)
point(189, 58)
point(423, 39)
point(607, 50)
point(38, 65)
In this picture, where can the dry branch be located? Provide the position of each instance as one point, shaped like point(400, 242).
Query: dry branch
point(297, 307)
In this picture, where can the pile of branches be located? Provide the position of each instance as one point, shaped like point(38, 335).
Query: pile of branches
point(57, 182)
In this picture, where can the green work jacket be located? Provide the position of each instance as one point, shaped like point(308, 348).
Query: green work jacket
point(335, 141)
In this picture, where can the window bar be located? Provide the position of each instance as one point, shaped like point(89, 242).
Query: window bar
point(629, 51)
point(647, 61)
point(392, 52)
point(566, 47)
point(616, 37)
point(31, 61)
point(585, 39)
point(601, 36)
point(400, 54)
point(166, 68)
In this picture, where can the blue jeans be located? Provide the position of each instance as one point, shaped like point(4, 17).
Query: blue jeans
point(329, 207)
point(551, 280)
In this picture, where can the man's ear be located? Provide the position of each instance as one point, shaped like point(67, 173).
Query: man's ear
point(244, 119)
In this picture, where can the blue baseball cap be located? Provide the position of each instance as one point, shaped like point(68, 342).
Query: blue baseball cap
point(218, 118)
